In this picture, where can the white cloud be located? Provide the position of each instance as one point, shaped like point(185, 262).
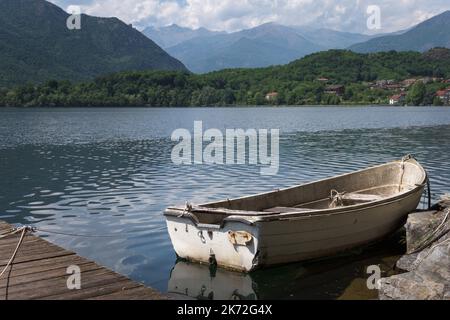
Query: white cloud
point(230, 15)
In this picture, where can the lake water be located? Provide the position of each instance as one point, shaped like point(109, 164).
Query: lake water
point(109, 172)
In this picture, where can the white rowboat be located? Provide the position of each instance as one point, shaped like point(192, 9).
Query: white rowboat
point(304, 222)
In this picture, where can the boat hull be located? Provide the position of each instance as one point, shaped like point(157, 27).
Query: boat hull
point(299, 223)
point(291, 240)
point(320, 236)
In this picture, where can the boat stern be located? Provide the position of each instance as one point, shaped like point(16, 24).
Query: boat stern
point(233, 244)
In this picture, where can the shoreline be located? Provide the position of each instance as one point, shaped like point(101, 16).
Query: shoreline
point(227, 106)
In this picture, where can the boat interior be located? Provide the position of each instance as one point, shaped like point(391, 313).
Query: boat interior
point(361, 187)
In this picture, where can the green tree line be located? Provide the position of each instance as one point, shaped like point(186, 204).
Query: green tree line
point(296, 83)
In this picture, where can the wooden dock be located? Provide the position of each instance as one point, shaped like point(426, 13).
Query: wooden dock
point(39, 271)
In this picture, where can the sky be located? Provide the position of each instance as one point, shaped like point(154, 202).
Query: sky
point(233, 15)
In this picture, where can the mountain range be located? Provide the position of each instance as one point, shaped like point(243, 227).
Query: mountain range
point(36, 45)
point(203, 50)
point(172, 35)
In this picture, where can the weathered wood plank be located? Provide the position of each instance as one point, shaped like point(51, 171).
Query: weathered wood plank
point(12, 240)
point(36, 256)
point(4, 227)
point(46, 264)
point(95, 290)
point(54, 286)
point(27, 245)
point(139, 293)
point(30, 246)
point(39, 271)
point(44, 275)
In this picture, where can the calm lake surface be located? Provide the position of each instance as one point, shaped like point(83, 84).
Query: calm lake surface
point(108, 171)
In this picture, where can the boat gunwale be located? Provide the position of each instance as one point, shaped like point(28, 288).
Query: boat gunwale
point(250, 217)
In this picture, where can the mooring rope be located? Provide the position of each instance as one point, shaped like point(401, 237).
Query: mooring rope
point(429, 192)
point(34, 229)
point(187, 208)
point(111, 235)
point(417, 263)
point(431, 237)
point(425, 199)
point(9, 233)
point(75, 234)
point(23, 231)
point(404, 159)
point(336, 198)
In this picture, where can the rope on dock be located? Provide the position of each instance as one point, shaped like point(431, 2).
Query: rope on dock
point(10, 233)
point(23, 231)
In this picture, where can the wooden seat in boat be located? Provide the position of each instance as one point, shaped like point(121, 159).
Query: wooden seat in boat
point(361, 197)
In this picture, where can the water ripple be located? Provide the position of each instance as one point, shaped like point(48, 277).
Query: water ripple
point(112, 173)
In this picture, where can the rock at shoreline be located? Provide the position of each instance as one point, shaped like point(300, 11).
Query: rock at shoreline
point(429, 269)
point(419, 225)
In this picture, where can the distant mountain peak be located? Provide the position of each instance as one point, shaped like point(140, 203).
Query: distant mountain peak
point(174, 34)
point(434, 32)
point(174, 26)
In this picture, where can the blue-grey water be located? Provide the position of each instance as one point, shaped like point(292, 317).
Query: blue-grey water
point(108, 172)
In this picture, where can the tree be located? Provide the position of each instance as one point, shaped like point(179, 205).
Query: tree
point(259, 99)
point(438, 101)
point(416, 94)
point(348, 95)
point(228, 97)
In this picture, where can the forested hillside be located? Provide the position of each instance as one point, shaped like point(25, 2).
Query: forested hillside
point(36, 45)
point(307, 81)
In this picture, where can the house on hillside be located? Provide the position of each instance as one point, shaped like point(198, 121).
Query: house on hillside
point(444, 95)
point(384, 83)
point(409, 82)
point(397, 99)
point(427, 80)
point(323, 79)
point(335, 89)
point(271, 96)
point(394, 86)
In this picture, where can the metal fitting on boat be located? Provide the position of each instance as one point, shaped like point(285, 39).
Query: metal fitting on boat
point(241, 238)
point(212, 259)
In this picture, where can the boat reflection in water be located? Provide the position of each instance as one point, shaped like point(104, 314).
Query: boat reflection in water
point(341, 277)
point(197, 281)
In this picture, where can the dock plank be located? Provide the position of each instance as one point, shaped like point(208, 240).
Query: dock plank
point(39, 271)
point(45, 265)
point(139, 293)
point(92, 292)
point(27, 277)
point(4, 227)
